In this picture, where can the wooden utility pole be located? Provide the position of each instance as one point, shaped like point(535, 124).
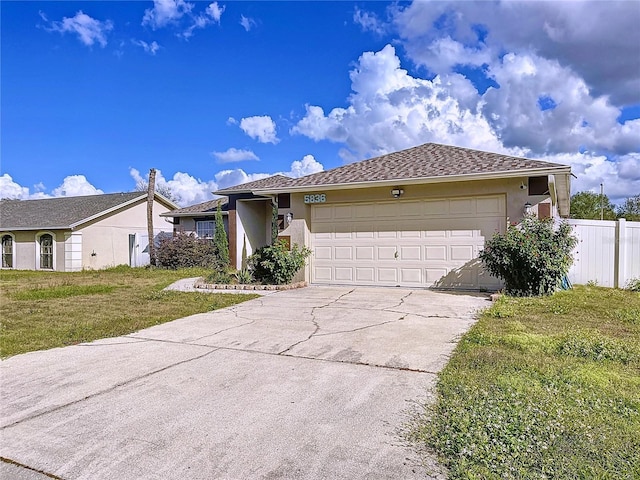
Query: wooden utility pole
point(150, 196)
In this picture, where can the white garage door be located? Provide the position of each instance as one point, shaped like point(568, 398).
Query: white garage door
point(407, 243)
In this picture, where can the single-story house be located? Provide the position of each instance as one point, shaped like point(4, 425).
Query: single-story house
point(74, 233)
point(416, 218)
point(199, 219)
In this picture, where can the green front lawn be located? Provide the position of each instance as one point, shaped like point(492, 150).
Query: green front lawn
point(543, 387)
point(41, 310)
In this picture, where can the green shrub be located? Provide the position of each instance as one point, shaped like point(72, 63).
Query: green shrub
point(275, 264)
point(220, 238)
point(243, 276)
point(633, 285)
point(221, 276)
point(532, 258)
point(182, 251)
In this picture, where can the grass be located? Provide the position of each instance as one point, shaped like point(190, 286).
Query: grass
point(542, 388)
point(41, 310)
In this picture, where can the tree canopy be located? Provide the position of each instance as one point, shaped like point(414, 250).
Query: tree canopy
point(630, 209)
point(588, 206)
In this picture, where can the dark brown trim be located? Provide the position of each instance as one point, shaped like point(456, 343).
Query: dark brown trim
point(233, 233)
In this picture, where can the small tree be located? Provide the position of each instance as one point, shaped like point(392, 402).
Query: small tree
point(589, 206)
point(220, 238)
point(630, 209)
point(532, 258)
point(275, 264)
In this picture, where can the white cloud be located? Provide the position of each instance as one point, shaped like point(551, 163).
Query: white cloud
point(298, 168)
point(12, 190)
point(88, 29)
point(212, 14)
point(185, 189)
point(150, 48)
point(619, 175)
point(390, 110)
point(369, 21)
point(215, 11)
point(229, 178)
point(306, 166)
point(576, 34)
point(235, 155)
point(261, 128)
point(74, 186)
point(247, 23)
point(165, 12)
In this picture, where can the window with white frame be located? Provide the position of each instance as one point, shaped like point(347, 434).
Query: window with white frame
point(46, 251)
point(7, 251)
point(205, 228)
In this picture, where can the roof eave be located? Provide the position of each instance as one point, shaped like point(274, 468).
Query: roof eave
point(192, 214)
point(34, 229)
point(421, 180)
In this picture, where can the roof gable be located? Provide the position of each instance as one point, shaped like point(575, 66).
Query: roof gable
point(62, 212)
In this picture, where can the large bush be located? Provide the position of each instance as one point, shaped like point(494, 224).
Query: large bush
point(275, 264)
point(184, 250)
point(532, 257)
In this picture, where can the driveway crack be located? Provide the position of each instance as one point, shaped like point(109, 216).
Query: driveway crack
point(315, 322)
point(107, 390)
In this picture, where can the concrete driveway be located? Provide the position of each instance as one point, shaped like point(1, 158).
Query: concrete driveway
point(302, 384)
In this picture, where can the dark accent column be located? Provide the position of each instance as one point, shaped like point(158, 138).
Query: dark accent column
point(233, 233)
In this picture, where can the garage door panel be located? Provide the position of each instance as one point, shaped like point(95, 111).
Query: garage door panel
point(322, 274)
point(387, 253)
point(490, 206)
point(410, 252)
point(342, 253)
point(386, 210)
point(411, 275)
point(343, 274)
point(462, 253)
point(432, 275)
point(365, 274)
point(387, 275)
point(364, 211)
point(436, 207)
point(323, 253)
point(462, 207)
point(412, 243)
point(365, 253)
point(435, 252)
point(322, 212)
point(389, 232)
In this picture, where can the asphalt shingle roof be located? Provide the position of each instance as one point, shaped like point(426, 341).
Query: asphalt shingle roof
point(424, 161)
point(60, 212)
point(207, 208)
point(275, 181)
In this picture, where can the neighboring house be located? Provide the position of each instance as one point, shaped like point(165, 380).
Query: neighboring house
point(75, 233)
point(415, 218)
point(199, 219)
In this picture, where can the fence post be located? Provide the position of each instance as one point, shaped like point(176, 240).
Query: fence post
point(621, 253)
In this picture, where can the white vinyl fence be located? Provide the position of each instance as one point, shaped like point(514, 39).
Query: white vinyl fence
point(608, 252)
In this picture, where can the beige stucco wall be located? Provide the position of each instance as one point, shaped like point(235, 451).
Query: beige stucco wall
point(516, 197)
point(108, 237)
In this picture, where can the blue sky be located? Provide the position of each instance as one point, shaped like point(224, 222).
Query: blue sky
point(211, 94)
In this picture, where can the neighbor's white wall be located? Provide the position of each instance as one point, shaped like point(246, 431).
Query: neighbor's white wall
point(108, 238)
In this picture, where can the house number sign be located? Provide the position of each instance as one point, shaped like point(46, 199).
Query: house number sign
point(315, 198)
